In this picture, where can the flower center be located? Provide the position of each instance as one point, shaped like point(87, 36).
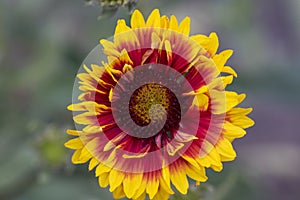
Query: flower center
point(147, 102)
point(150, 102)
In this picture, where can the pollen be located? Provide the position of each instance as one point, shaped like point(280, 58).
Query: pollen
point(150, 102)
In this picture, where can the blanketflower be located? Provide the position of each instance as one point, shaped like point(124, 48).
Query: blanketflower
point(155, 113)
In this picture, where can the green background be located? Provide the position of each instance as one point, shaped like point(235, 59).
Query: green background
point(43, 42)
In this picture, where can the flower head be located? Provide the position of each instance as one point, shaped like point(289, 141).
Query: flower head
point(155, 112)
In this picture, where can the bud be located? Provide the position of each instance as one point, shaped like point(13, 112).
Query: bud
point(110, 7)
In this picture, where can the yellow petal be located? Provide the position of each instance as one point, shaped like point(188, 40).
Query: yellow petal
point(229, 70)
point(201, 101)
point(155, 41)
point(227, 80)
point(93, 163)
point(125, 58)
point(92, 129)
point(184, 26)
point(168, 50)
point(109, 48)
point(85, 96)
point(111, 160)
point(237, 112)
point(232, 131)
point(221, 58)
point(92, 76)
point(233, 99)
point(85, 155)
point(121, 27)
point(127, 68)
point(90, 145)
point(88, 106)
point(86, 118)
point(217, 168)
point(86, 88)
point(196, 173)
point(141, 197)
point(107, 44)
point(209, 156)
point(101, 169)
point(75, 143)
point(73, 132)
point(214, 44)
point(211, 43)
point(80, 156)
point(137, 155)
point(131, 184)
point(118, 193)
point(161, 195)
point(243, 122)
point(179, 180)
point(109, 145)
point(77, 107)
point(113, 73)
point(103, 180)
point(75, 157)
point(97, 70)
point(191, 160)
point(201, 39)
point(152, 187)
point(153, 19)
point(173, 23)
point(110, 95)
point(115, 179)
point(164, 22)
point(225, 149)
point(141, 190)
point(174, 147)
point(137, 20)
point(164, 180)
point(86, 79)
point(165, 185)
point(184, 137)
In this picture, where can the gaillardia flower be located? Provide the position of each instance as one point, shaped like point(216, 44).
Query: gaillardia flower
point(152, 111)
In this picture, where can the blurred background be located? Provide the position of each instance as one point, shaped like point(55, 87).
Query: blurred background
point(42, 45)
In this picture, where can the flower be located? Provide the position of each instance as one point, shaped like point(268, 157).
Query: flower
point(156, 111)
